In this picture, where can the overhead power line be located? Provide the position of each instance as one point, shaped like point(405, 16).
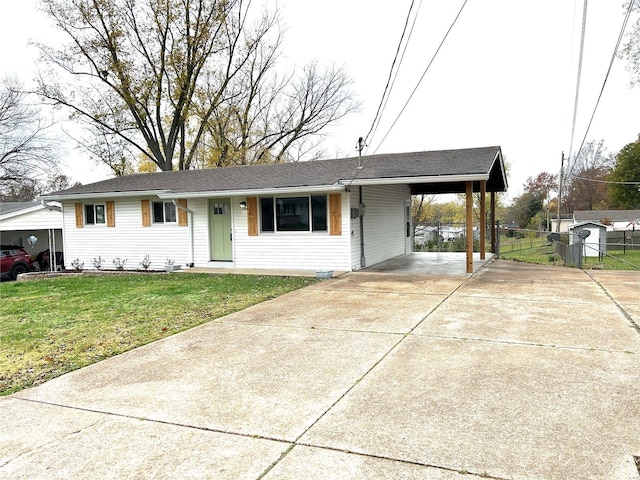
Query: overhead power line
point(391, 79)
point(423, 75)
point(610, 182)
point(604, 83)
point(579, 77)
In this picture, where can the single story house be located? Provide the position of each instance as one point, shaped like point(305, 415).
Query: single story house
point(566, 219)
point(615, 220)
point(42, 221)
point(338, 214)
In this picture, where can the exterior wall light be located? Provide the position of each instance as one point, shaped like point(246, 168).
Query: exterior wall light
point(243, 205)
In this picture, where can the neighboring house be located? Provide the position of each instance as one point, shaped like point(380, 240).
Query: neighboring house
point(615, 220)
point(566, 219)
point(42, 220)
point(338, 214)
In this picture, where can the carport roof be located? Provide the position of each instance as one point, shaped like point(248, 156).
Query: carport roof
point(12, 207)
point(443, 171)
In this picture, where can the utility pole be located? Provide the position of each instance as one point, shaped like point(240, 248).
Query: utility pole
point(559, 218)
point(359, 147)
point(363, 261)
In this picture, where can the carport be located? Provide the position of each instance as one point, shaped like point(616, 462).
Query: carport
point(436, 263)
point(467, 171)
point(36, 226)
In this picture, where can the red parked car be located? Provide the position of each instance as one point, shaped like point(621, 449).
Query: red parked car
point(14, 260)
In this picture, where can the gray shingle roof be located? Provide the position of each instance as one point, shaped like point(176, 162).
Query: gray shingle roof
point(11, 207)
point(600, 215)
point(443, 163)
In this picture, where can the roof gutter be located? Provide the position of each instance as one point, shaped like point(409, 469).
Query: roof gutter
point(404, 180)
point(190, 213)
point(55, 208)
point(254, 191)
point(102, 195)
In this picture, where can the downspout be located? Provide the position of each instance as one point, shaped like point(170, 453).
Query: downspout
point(363, 261)
point(190, 214)
point(53, 260)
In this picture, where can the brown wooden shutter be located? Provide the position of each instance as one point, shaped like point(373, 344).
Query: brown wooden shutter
point(111, 214)
point(335, 214)
point(146, 213)
point(252, 216)
point(183, 219)
point(79, 219)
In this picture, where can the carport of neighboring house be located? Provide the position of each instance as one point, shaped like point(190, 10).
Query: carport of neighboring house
point(35, 226)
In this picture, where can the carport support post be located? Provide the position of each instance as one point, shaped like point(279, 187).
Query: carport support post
point(483, 218)
point(492, 215)
point(469, 208)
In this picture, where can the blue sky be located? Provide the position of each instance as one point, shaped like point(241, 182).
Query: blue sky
point(505, 76)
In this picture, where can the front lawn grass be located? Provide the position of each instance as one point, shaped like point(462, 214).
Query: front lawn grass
point(53, 326)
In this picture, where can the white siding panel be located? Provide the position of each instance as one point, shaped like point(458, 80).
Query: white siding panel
point(41, 219)
point(291, 251)
point(384, 228)
point(200, 230)
point(131, 241)
point(355, 230)
point(127, 240)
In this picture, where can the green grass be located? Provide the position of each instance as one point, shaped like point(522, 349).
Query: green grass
point(53, 326)
point(540, 251)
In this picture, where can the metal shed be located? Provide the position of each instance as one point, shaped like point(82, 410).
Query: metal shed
point(595, 243)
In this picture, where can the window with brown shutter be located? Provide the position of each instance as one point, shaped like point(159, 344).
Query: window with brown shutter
point(252, 216)
point(79, 218)
point(146, 213)
point(111, 214)
point(335, 214)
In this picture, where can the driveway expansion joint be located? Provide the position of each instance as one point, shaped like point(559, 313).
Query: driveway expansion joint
point(461, 471)
point(524, 344)
point(626, 314)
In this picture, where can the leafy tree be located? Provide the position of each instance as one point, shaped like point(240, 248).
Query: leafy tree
point(29, 188)
point(523, 208)
point(626, 169)
point(586, 181)
point(449, 212)
point(631, 49)
point(541, 184)
point(26, 152)
point(187, 83)
point(422, 208)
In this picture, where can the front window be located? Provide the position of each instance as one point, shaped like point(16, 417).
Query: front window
point(164, 212)
point(293, 214)
point(94, 214)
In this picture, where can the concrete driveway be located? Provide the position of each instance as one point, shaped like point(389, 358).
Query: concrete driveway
point(518, 372)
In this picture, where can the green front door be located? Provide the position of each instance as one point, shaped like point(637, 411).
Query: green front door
point(220, 229)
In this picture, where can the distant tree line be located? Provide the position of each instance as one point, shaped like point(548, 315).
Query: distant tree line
point(594, 180)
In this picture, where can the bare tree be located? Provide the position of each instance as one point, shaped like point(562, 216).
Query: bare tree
point(179, 79)
point(586, 186)
point(26, 152)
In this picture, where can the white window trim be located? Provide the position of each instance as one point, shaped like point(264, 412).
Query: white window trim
point(95, 215)
point(293, 232)
point(164, 213)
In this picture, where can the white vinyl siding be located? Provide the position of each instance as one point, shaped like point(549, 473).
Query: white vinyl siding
point(384, 237)
point(127, 240)
point(290, 250)
point(355, 230)
point(39, 219)
point(384, 223)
